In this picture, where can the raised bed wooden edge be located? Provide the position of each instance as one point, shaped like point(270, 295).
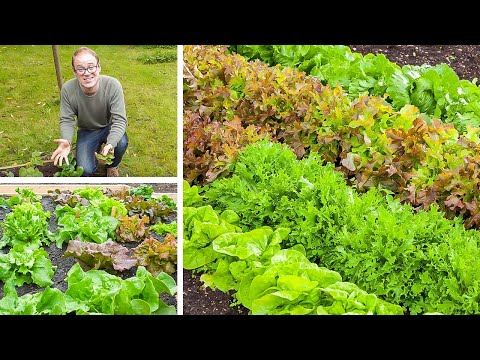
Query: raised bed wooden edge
point(42, 189)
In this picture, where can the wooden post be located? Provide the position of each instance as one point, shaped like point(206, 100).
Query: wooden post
point(58, 70)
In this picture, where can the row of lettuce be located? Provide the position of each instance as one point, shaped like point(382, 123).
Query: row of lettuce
point(92, 226)
point(230, 103)
point(436, 90)
point(289, 236)
point(300, 200)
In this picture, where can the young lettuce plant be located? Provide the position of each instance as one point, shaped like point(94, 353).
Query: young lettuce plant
point(108, 159)
point(31, 170)
point(144, 190)
point(69, 169)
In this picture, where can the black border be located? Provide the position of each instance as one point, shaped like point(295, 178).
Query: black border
point(209, 24)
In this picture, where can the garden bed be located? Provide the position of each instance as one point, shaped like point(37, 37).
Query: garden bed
point(55, 254)
point(47, 169)
point(463, 59)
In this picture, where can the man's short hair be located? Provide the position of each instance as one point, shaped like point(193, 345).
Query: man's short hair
point(84, 49)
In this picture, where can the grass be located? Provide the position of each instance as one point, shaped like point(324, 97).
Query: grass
point(30, 106)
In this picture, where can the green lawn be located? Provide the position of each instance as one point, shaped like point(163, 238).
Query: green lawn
point(30, 106)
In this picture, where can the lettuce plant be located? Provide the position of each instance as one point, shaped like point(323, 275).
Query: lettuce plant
point(88, 223)
point(110, 256)
point(101, 293)
point(27, 223)
point(27, 264)
point(163, 228)
point(157, 256)
point(95, 292)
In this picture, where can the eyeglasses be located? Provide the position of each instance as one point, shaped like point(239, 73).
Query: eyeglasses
point(90, 69)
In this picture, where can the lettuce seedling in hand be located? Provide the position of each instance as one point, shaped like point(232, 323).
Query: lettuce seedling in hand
point(108, 159)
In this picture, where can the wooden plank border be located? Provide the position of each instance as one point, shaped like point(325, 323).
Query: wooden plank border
point(42, 189)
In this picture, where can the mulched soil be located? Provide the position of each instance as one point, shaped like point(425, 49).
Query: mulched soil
point(463, 59)
point(64, 264)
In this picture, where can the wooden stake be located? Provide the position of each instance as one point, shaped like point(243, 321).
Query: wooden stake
point(58, 69)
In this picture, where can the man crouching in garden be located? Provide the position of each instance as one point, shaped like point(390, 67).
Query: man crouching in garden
point(97, 103)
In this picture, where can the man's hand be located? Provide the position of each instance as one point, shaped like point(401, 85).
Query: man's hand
point(106, 149)
point(61, 152)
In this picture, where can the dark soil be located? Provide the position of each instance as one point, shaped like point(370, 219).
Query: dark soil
point(463, 59)
point(158, 188)
point(49, 170)
point(64, 264)
point(198, 300)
